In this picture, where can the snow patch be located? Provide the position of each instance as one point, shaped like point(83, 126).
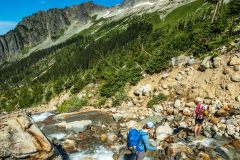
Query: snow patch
point(143, 4)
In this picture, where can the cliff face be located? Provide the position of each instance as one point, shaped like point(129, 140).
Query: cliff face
point(35, 29)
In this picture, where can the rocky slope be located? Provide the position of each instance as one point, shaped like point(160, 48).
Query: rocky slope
point(49, 26)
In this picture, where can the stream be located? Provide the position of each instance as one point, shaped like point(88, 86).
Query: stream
point(87, 145)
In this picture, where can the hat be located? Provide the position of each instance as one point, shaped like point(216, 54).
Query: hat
point(150, 125)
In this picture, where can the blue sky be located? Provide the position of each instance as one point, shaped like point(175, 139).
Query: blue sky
point(12, 11)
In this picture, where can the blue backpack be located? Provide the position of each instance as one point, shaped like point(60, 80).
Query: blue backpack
point(133, 139)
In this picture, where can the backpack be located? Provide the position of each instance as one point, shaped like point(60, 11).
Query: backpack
point(133, 139)
point(200, 111)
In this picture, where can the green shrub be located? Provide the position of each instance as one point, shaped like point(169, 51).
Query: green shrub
point(156, 100)
point(101, 101)
point(72, 105)
point(119, 98)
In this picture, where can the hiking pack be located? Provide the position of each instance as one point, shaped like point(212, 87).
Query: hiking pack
point(200, 111)
point(133, 139)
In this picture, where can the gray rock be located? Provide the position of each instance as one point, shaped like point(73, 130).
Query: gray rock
point(78, 126)
point(178, 77)
point(177, 103)
point(163, 132)
point(206, 63)
point(143, 90)
point(216, 62)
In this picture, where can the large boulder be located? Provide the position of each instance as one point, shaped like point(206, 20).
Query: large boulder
point(144, 90)
point(21, 138)
point(78, 126)
point(163, 132)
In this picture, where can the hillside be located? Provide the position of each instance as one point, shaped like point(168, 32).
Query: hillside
point(114, 53)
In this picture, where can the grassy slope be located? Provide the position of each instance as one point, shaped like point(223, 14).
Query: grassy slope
point(183, 12)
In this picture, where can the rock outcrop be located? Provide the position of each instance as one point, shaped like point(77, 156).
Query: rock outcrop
point(21, 138)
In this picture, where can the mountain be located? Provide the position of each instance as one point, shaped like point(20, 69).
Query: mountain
point(46, 27)
point(35, 29)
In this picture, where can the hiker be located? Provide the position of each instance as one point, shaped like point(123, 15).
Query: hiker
point(138, 141)
point(200, 113)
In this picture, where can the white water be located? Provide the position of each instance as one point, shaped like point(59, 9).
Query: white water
point(41, 117)
point(57, 135)
point(101, 153)
point(205, 142)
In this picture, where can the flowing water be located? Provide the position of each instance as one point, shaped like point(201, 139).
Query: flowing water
point(89, 147)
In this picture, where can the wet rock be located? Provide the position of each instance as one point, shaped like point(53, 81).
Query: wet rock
point(236, 78)
point(78, 126)
point(236, 143)
point(182, 134)
point(234, 61)
point(112, 138)
point(103, 137)
point(163, 132)
point(69, 145)
point(175, 148)
point(203, 156)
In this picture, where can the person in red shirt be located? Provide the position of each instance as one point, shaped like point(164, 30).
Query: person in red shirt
point(199, 114)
